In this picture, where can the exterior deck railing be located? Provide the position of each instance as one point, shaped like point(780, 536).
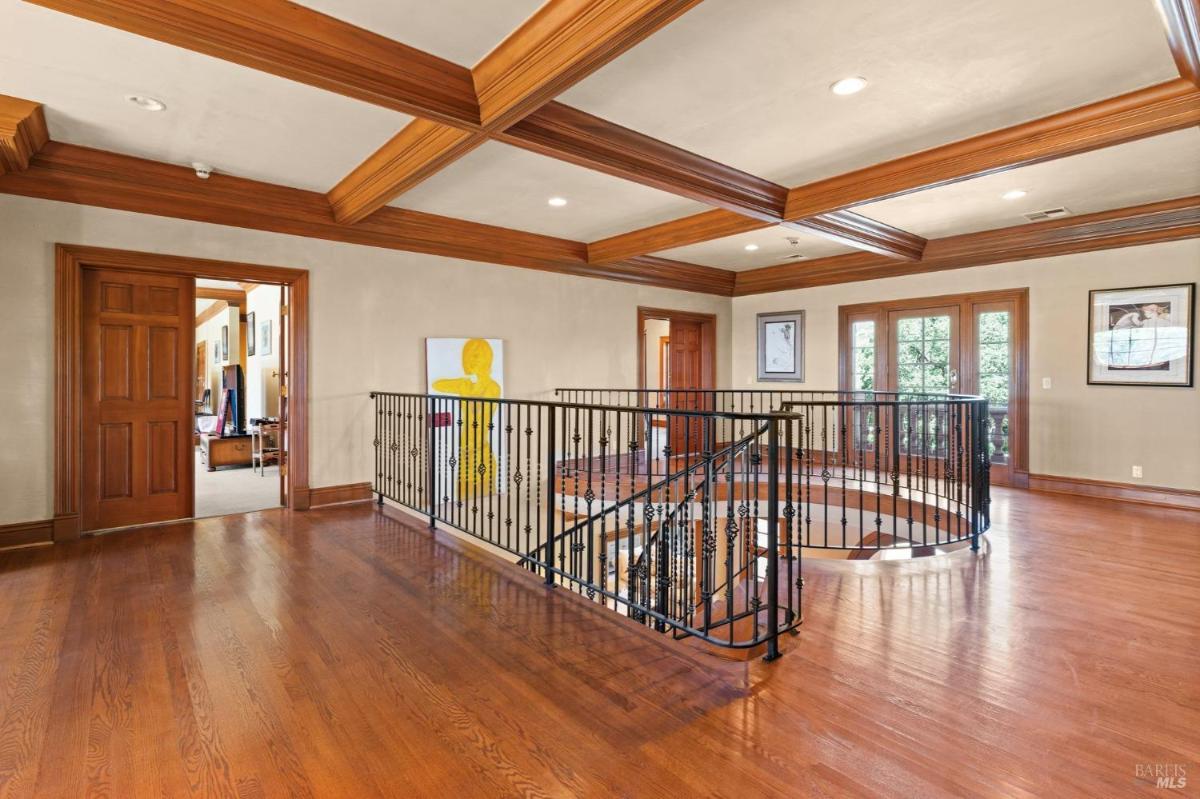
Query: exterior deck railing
point(689, 520)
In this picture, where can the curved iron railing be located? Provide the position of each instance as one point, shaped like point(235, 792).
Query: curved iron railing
point(689, 519)
point(871, 470)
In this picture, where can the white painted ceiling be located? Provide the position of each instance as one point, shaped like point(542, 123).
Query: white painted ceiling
point(773, 243)
point(498, 184)
point(462, 31)
point(747, 83)
point(1159, 168)
point(242, 121)
point(201, 305)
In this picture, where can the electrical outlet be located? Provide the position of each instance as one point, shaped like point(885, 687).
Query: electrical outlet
point(1137, 472)
point(1045, 382)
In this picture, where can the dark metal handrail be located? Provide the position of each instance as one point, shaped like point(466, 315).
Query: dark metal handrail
point(691, 520)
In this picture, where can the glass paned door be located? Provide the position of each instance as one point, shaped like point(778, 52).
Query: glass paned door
point(924, 359)
point(993, 378)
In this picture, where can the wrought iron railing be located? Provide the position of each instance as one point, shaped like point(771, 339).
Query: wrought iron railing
point(874, 470)
point(689, 520)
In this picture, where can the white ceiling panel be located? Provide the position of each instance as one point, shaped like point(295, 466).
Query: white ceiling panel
point(462, 31)
point(242, 121)
point(1159, 168)
point(747, 84)
point(501, 185)
point(775, 246)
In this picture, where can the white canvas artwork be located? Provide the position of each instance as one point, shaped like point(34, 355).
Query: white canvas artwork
point(780, 346)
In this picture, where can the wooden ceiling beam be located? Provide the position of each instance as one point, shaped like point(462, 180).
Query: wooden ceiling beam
point(1146, 112)
point(211, 311)
point(69, 173)
point(417, 152)
point(855, 230)
point(571, 135)
point(22, 132)
point(562, 43)
point(1123, 227)
point(559, 44)
point(294, 42)
point(231, 296)
point(704, 226)
point(1183, 36)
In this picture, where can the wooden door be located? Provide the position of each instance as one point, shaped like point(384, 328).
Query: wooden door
point(201, 370)
point(285, 432)
point(686, 370)
point(137, 410)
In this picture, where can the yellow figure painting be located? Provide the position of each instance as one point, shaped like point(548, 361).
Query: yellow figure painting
point(477, 462)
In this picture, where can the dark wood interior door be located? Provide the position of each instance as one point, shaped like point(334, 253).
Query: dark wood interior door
point(686, 365)
point(137, 409)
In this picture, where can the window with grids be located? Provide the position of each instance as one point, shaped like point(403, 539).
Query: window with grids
point(995, 368)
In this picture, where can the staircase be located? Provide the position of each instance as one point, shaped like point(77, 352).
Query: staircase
point(701, 536)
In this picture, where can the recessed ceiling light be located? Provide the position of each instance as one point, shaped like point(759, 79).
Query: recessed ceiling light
point(846, 86)
point(557, 202)
point(146, 103)
point(1014, 194)
point(750, 247)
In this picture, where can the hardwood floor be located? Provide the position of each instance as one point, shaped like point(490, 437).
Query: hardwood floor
point(345, 653)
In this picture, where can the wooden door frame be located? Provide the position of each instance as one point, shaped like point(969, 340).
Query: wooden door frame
point(878, 312)
point(70, 261)
point(708, 341)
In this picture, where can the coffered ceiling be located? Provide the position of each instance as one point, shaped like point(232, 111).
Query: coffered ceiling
point(747, 84)
point(697, 143)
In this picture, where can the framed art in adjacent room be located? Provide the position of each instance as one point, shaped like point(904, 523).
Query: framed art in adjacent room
point(781, 346)
point(265, 337)
point(250, 333)
point(1141, 336)
point(224, 342)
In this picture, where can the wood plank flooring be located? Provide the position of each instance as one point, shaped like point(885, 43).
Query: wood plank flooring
point(347, 653)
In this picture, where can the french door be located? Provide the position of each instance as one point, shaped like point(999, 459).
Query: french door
point(962, 344)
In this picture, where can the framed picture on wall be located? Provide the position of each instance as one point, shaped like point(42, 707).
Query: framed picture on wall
point(250, 333)
point(224, 342)
point(1141, 336)
point(264, 338)
point(781, 346)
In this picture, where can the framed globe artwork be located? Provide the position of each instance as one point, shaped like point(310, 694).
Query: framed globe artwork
point(1141, 336)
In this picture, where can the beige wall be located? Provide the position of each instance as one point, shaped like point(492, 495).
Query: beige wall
point(371, 309)
point(262, 382)
point(655, 329)
point(210, 331)
point(1076, 430)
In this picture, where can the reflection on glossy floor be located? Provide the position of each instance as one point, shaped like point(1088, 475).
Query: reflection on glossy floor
point(344, 653)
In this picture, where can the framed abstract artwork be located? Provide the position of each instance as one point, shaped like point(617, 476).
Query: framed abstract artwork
point(224, 342)
point(250, 333)
point(781, 346)
point(265, 338)
point(1141, 336)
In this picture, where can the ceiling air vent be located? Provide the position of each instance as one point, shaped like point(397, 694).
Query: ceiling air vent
point(1049, 213)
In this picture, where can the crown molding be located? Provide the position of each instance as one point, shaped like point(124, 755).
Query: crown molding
point(1170, 220)
point(22, 132)
point(85, 176)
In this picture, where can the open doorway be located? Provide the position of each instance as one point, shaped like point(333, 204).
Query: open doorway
point(677, 369)
point(237, 433)
point(131, 382)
